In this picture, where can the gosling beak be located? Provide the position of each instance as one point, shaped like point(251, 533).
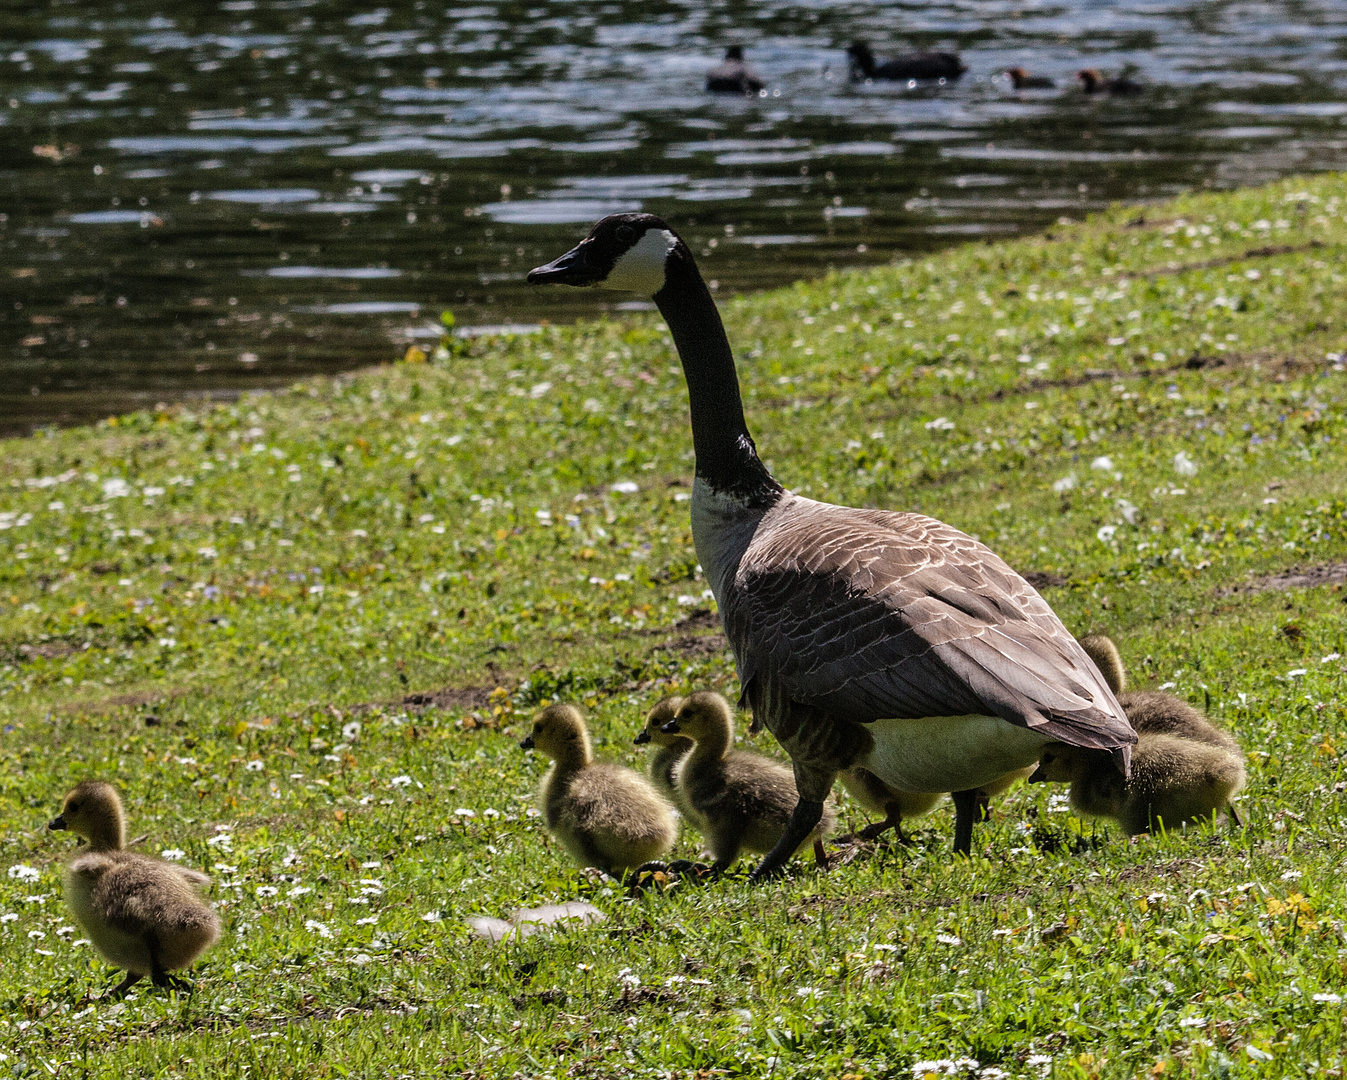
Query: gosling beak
point(573, 268)
point(642, 736)
point(1038, 776)
point(671, 728)
point(526, 743)
point(57, 823)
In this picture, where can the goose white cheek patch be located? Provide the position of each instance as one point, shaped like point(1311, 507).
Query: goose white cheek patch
point(641, 268)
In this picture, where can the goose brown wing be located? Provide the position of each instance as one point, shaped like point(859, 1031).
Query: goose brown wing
point(870, 614)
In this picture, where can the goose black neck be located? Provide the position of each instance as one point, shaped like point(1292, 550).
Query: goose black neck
point(726, 456)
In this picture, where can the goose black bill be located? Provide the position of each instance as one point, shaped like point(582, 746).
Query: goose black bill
point(57, 823)
point(573, 268)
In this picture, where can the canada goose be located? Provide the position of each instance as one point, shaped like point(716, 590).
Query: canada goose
point(141, 914)
point(737, 799)
point(669, 750)
point(1022, 80)
point(1092, 82)
point(605, 816)
point(1174, 781)
point(920, 66)
point(734, 75)
point(862, 637)
point(879, 798)
point(1155, 712)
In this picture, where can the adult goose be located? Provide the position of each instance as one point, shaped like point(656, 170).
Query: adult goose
point(869, 638)
point(919, 66)
point(734, 75)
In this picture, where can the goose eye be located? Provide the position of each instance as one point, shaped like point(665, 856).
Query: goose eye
point(625, 234)
point(74, 808)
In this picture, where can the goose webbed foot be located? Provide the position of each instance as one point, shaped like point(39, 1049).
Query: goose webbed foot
point(802, 822)
point(163, 979)
point(659, 873)
point(966, 812)
point(124, 987)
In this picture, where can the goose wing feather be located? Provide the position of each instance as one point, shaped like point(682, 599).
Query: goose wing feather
point(871, 614)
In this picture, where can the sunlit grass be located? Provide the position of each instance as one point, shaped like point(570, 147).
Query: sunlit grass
point(300, 633)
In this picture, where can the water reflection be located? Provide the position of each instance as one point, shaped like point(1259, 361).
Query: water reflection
point(200, 201)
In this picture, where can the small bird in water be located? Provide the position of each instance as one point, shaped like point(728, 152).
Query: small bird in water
point(141, 914)
point(734, 75)
point(1092, 82)
point(1021, 79)
point(918, 66)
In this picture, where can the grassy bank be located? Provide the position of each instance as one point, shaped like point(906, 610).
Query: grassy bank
point(302, 633)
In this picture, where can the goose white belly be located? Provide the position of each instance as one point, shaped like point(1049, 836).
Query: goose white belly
point(949, 753)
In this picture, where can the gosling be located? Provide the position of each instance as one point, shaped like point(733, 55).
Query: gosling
point(1154, 712)
point(669, 750)
point(1174, 781)
point(737, 799)
point(877, 797)
point(142, 915)
point(605, 816)
point(1183, 768)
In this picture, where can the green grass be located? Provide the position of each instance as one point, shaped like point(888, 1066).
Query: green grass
point(274, 582)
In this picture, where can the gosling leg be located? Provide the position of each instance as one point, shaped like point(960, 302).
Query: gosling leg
point(1235, 818)
point(893, 819)
point(122, 987)
point(802, 822)
point(965, 814)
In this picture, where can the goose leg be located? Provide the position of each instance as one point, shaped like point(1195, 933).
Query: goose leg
point(122, 987)
point(802, 822)
point(965, 814)
point(161, 977)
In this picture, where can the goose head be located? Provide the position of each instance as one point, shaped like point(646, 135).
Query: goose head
point(622, 251)
point(734, 52)
point(654, 732)
point(862, 56)
point(93, 811)
point(559, 732)
point(1090, 79)
point(703, 716)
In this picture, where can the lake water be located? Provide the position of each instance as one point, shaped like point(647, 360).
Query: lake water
point(199, 199)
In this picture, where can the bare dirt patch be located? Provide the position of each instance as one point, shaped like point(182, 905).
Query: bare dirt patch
point(1297, 577)
point(46, 650)
point(136, 700)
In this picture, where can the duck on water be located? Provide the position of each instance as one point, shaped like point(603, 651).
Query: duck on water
point(888, 641)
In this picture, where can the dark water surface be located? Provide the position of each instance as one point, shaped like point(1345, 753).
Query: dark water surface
point(197, 198)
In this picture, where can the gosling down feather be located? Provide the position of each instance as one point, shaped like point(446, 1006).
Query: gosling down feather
point(605, 816)
point(142, 915)
point(737, 799)
point(869, 638)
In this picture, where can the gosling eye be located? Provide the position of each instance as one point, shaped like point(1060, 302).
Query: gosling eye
point(625, 234)
point(74, 808)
